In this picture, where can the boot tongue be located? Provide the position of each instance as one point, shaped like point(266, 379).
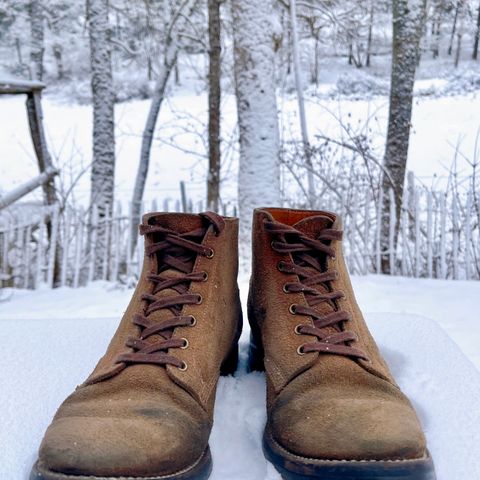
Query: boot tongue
point(178, 222)
point(313, 226)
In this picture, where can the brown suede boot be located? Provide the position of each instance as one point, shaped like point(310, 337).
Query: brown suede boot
point(334, 410)
point(146, 410)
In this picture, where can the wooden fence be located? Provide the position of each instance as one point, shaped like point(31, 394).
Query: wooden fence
point(43, 246)
point(439, 238)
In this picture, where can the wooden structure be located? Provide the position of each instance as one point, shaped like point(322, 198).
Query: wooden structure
point(33, 91)
point(46, 178)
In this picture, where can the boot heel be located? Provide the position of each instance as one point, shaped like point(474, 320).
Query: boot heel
point(255, 355)
point(229, 365)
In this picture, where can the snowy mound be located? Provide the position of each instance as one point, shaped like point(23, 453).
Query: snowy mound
point(44, 360)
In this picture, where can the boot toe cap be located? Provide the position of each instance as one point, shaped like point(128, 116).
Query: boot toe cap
point(136, 447)
point(349, 429)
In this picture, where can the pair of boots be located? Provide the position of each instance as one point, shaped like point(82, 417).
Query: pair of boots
point(146, 411)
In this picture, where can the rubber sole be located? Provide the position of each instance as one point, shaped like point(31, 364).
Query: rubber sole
point(200, 470)
point(294, 467)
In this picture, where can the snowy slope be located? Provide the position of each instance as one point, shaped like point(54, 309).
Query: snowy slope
point(439, 124)
point(45, 358)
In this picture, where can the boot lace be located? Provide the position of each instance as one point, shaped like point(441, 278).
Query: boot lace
point(309, 263)
point(176, 255)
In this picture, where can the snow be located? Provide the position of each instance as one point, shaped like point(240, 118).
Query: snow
point(438, 125)
point(56, 337)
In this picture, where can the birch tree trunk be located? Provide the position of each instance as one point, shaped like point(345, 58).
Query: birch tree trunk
point(259, 170)
point(408, 19)
point(103, 164)
point(214, 98)
point(37, 46)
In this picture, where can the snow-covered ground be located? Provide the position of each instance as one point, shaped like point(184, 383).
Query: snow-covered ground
point(52, 339)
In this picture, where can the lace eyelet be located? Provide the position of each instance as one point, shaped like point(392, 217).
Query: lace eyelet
point(183, 367)
point(193, 321)
point(285, 288)
point(185, 344)
point(293, 309)
point(300, 350)
point(280, 267)
point(199, 299)
point(205, 276)
point(297, 330)
point(210, 253)
point(272, 244)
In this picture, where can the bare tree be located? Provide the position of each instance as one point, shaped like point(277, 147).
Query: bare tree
point(214, 98)
point(454, 26)
point(408, 20)
point(55, 14)
point(370, 33)
point(103, 165)
point(460, 30)
point(259, 172)
point(301, 104)
point(37, 45)
point(477, 36)
point(172, 45)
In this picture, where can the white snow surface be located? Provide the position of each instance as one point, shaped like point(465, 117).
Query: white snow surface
point(52, 340)
point(440, 124)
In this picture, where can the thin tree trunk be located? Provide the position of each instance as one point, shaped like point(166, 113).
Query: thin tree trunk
point(214, 98)
point(103, 165)
point(301, 105)
point(477, 36)
point(18, 49)
point(460, 30)
point(408, 19)
point(37, 46)
point(169, 61)
point(454, 27)
point(370, 34)
point(316, 63)
point(58, 55)
point(259, 170)
point(458, 50)
point(147, 139)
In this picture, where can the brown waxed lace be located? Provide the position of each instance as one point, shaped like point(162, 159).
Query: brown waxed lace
point(174, 252)
point(307, 263)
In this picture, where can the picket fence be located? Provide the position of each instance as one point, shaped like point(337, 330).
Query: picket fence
point(439, 238)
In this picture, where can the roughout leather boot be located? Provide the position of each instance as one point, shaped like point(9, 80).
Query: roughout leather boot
point(146, 410)
point(334, 410)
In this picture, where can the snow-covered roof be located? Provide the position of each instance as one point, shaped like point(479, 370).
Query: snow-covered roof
point(15, 85)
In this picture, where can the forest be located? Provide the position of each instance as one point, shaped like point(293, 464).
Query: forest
point(113, 109)
point(264, 73)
